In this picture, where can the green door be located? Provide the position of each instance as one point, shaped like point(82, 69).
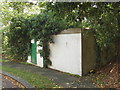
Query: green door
point(33, 54)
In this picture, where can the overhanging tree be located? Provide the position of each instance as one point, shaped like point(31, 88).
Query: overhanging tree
point(101, 18)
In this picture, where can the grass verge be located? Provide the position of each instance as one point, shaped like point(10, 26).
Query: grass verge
point(4, 60)
point(15, 61)
point(34, 79)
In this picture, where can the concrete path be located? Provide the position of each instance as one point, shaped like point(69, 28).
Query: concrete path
point(12, 81)
point(61, 79)
point(7, 83)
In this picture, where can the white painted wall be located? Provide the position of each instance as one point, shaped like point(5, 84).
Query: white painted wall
point(66, 53)
point(29, 59)
point(39, 58)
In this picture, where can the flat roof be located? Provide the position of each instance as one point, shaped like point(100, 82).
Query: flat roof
point(71, 31)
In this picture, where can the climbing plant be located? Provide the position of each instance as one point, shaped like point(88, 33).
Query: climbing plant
point(44, 26)
point(39, 27)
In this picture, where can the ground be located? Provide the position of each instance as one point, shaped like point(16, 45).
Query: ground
point(8, 82)
point(105, 77)
point(108, 76)
point(63, 80)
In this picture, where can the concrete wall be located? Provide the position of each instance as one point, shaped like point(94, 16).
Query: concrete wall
point(66, 53)
point(88, 52)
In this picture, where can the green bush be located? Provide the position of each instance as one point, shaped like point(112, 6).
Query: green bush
point(39, 27)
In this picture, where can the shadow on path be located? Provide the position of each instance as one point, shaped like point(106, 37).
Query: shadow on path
point(61, 79)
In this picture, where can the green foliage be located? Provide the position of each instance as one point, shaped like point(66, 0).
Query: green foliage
point(101, 18)
point(43, 27)
point(18, 38)
point(10, 10)
point(39, 27)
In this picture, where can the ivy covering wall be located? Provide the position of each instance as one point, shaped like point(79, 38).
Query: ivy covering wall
point(39, 27)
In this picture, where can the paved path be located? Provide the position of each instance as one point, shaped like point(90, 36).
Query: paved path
point(7, 83)
point(11, 81)
point(62, 79)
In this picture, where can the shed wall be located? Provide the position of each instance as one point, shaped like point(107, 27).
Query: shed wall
point(88, 53)
point(66, 53)
point(71, 52)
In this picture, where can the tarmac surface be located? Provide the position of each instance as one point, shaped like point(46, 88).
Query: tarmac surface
point(62, 79)
point(7, 83)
